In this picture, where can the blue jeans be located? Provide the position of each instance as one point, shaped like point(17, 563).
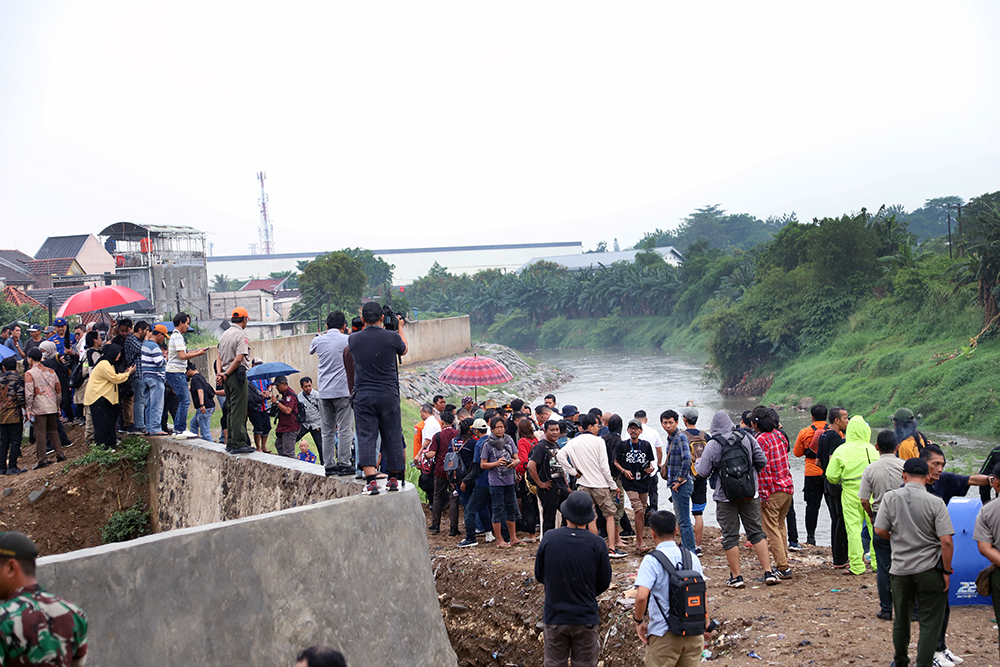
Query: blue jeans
point(153, 391)
point(178, 383)
point(883, 558)
point(139, 404)
point(682, 509)
point(477, 506)
point(202, 424)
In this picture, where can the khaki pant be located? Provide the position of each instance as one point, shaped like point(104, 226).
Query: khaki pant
point(672, 650)
point(772, 518)
point(128, 405)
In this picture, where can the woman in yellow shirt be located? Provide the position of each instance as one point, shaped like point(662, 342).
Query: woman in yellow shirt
point(102, 395)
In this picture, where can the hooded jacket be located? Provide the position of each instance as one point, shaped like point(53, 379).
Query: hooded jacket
point(721, 429)
point(851, 458)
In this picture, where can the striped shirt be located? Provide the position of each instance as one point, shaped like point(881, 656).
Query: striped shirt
point(153, 363)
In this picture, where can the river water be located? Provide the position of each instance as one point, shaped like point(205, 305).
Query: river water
point(623, 381)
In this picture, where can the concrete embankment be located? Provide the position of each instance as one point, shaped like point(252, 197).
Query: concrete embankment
point(351, 572)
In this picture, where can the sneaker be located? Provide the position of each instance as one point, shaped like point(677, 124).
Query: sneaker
point(392, 485)
point(452, 533)
point(951, 656)
point(184, 435)
point(245, 449)
point(794, 546)
point(67, 445)
point(735, 582)
point(941, 660)
point(697, 551)
point(434, 531)
point(784, 574)
point(617, 553)
point(884, 616)
point(811, 541)
point(490, 537)
point(868, 557)
point(371, 489)
point(15, 471)
point(343, 470)
point(468, 543)
point(770, 578)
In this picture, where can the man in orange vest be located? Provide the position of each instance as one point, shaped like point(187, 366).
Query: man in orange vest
point(806, 445)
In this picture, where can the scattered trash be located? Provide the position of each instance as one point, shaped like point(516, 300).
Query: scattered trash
point(489, 603)
point(805, 642)
point(706, 654)
point(754, 655)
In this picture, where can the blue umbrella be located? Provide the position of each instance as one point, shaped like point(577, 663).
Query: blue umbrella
point(6, 352)
point(169, 325)
point(270, 370)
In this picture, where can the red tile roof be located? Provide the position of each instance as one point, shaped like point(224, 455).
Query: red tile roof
point(16, 297)
point(267, 284)
point(45, 267)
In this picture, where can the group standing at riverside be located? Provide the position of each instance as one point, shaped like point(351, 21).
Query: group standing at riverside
point(567, 476)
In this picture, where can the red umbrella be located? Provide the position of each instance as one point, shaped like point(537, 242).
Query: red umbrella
point(99, 298)
point(474, 371)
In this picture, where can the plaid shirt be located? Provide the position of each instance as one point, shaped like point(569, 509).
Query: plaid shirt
point(133, 354)
point(678, 457)
point(776, 475)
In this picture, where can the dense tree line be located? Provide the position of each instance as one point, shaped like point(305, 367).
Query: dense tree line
point(788, 292)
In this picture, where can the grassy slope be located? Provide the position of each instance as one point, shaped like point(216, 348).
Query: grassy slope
point(883, 358)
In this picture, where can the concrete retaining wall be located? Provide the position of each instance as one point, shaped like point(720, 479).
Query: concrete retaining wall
point(428, 339)
point(350, 573)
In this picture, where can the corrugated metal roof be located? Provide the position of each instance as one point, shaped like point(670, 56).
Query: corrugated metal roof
point(132, 230)
point(59, 294)
point(590, 260)
point(15, 256)
point(57, 247)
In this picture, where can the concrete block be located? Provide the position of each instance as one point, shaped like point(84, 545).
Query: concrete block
point(350, 573)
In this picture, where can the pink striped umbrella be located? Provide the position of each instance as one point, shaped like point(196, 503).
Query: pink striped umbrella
point(474, 371)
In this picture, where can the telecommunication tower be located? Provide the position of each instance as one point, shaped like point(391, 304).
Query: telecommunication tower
point(265, 230)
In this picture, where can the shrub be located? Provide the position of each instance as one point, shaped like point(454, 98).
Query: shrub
point(126, 524)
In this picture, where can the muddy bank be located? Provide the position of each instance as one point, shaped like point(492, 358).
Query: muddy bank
point(492, 607)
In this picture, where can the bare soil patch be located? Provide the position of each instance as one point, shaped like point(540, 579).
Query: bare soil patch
point(492, 607)
point(77, 503)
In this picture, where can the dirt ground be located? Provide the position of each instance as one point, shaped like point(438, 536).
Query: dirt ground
point(77, 503)
point(492, 607)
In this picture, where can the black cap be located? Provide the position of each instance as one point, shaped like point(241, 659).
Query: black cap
point(578, 508)
point(916, 467)
point(17, 545)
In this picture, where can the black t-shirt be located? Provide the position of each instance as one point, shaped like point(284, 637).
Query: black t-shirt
point(544, 456)
point(636, 459)
point(612, 441)
point(374, 350)
point(827, 445)
point(199, 382)
point(573, 565)
point(949, 485)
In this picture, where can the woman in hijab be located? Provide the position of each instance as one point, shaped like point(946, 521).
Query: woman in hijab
point(102, 395)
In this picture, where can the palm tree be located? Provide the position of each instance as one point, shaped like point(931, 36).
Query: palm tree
point(220, 283)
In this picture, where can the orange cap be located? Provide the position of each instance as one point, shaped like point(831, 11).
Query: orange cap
point(240, 312)
point(161, 328)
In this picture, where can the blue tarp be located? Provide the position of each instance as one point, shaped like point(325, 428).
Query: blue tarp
point(967, 562)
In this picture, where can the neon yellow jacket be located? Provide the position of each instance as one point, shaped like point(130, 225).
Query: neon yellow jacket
point(852, 457)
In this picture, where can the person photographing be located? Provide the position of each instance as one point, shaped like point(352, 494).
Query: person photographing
point(372, 353)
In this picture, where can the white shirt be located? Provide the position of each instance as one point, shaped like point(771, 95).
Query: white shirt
point(650, 435)
point(431, 426)
point(174, 363)
point(589, 456)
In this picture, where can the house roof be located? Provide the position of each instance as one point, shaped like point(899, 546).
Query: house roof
point(590, 260)
point(131, 231)
point(61, 266)
point(16, 297)
point(15, 256)
point(59, 294)
point(287, 294)
point(58, 247)
point(267, 284)
point(14, 272)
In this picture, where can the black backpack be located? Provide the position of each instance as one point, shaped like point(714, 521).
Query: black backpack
point(686, 617)
point(736, 470)
point(254, 396)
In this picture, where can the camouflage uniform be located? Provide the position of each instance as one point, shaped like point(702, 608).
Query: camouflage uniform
point(41, 629)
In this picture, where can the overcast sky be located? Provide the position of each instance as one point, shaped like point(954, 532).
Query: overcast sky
point(408, 124)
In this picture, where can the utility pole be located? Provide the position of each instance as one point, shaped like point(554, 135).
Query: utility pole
point(50, 310)
point(949, 234)
point(265, 230)
point(178, 297)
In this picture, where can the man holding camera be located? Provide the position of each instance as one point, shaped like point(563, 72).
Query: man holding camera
point(373, 352)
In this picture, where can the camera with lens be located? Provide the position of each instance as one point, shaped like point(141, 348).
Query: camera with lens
point(357, 324)
point(390, 318)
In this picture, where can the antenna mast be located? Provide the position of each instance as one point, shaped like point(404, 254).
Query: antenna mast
point(265, 230)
